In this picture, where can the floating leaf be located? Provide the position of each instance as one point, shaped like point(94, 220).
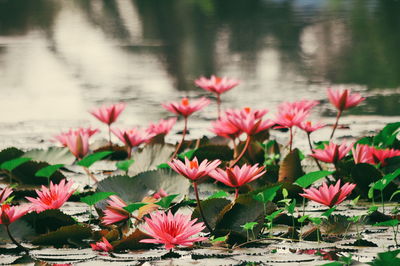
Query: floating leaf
point(249, 226)
point(10, 153)
point(392, 222)
point(382, 183)
point(214, 152)
point(90, 159)
point(387, 258)
point(48, 171)
point(53, 155)
point(134, 206)
point(14, 163)
point(267, 195)
point(64, 235)
point(189, 154)
point(165, 202)
point(25, 173)
point(308, 179)
point(290, 169)
point(124, 165)
point(48, 220)
point(329, 212)
point(163, 166)
point(218, 194)
point(212, 209)
point(150, 157)
point(96, 197)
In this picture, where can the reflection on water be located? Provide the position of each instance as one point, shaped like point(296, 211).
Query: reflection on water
point(58, 58)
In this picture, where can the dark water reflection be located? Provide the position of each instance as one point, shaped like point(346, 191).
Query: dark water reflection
point(66, 56)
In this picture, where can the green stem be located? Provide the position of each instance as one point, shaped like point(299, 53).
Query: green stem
point(196, 192)
point(336, 124)
point(311, 149)
point(383, 203)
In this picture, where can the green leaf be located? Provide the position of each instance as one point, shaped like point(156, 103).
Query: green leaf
point(90, 159)
point(96, 197)
point(387, 258)
point(12, 164)
point(371, 192)
point(134, 206)
point(273, 215)
point(382, 183)
point(372, 209)
point(64, 235)
point(218, 195)
point(335, 263)
point(249, 226)
point(394, 194)
point(163, 166)
point(166, 201)
point(303, 218)
point(267, 195)
point(124, 165)
point(48, 171)
point(392, 222)
point(189, 154)
point(315, 220)
point(355, 201)
point(329, 212)
point(387, 135)
point(308, 179)
point(291, 207)
point(219, 239)
point(52, 155)
point(285, 193)
point(354, 219)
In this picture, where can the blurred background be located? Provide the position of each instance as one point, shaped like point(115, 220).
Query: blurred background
point(59, 58)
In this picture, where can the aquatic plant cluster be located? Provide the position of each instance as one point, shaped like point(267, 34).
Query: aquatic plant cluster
point(256, 181)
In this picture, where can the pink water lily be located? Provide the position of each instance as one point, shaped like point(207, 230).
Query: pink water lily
point(238, 176)
point(53, 197)
point(78, 143)
point(186, 107)
point(302, 105)
point(248, 120)
point(9, 214)
point(162, 127)
point(5, 193)
point(224, 128)
point(192, 169)
point(102, 245)
point(132, 137)
point(217, 85)
point(161, 193)
point(310, 127)
point(63, 136)
point(332, 152)
point(172, 230)
point(329, 195)
point(343, 99)
point(380, 155)
point(362, 154)
point(108, 114)
point(114, 212)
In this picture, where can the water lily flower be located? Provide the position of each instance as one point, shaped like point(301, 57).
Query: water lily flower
point(102, 245)
point(53, 197)
point(132, 138)
point(329, 195)
point(108, 114)
point(342, 99)
point(288, 118)
point(4, 193)
point(186, 107)
point(216, 84)
point(380, 155)
point(114, 212)
point(9, 214)
point(78, 143)
point(224, 128)
point(63, 136)
point(248, 120)
point(305, 105)
point(310, 127)
point(362, 154)
point(332, 152)
point(238, 176)
point(163, 127)
point(161, 193)
point(172, 230)
point(191, 169)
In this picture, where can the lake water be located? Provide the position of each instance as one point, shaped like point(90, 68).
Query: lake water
point(59, 58)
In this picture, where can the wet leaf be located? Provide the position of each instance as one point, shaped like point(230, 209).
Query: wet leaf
point(96, 197)
point(14, 163)
point(90, 159)
point(48, 220)
point(267, 195)
point(166, 201)
point(214, 152)
point(290, 169)
point(212, 209)
point(387, 258)
point(363, 175)
point(150, 157)
point(64, 235)
point(134, 206)
point(48, 171)
point(392, 222)
point(218, 194)
point(53, 155)
point(25, 174)
point(131, 241)
point(309, 178)
point(124, 165)
point(382, 183)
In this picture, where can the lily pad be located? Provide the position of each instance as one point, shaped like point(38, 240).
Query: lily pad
point(53, 155)
point(131, 241)
point(48, 220)
point(10, 153)
point(212, 209)
point(26, 172)
point(214, 152)
point(64, 235)
point(290, 169)
point(149, 158)
point(20, 230)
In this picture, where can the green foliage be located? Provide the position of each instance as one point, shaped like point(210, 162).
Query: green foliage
point(218, 239)
point(90, 159)
point(48, 171)
point(308, 179)
point(249, 226)
point(134, 206)
point(96, 197)
point(52, 155)
point(329, 212)
point(382, 183)
point(166, 201)
point(124, 165)
point(273, 215)
point(214, 209)
point(267, 195)
point(387, 258)
point(392, 222)
point(14, 163)
point(218, 194)
point(163, 166)
point(189, 154)
point(64, 235)
point(387, 136)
